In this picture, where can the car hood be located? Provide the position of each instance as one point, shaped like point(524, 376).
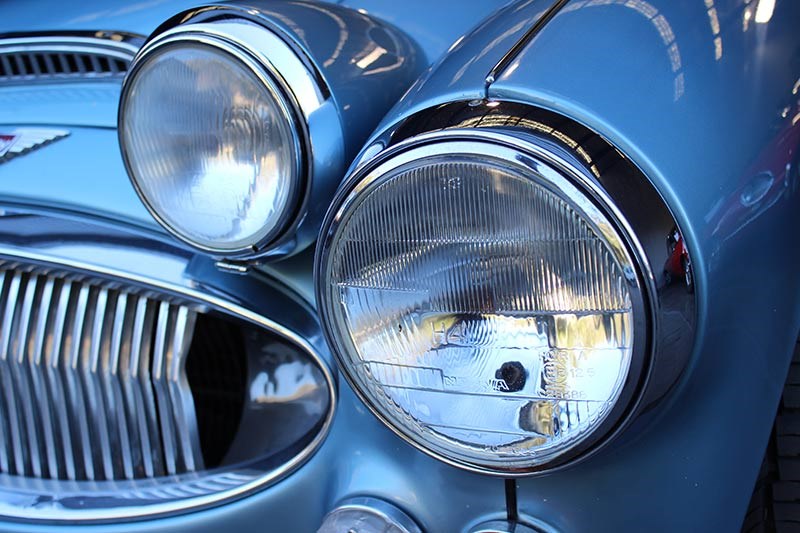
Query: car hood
point(115, 15)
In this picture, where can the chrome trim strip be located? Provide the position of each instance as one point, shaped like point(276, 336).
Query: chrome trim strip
point(504, 62)
point(59, 501)
point(120, 45)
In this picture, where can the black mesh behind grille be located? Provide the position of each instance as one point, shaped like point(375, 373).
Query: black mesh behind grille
point(217, 374)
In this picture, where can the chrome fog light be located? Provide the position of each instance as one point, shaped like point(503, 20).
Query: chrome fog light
point(482, 298)
point(367, 515)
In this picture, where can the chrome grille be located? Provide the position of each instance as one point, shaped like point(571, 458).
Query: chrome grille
point(26, 65)
point(96, 56)
point(93, 381)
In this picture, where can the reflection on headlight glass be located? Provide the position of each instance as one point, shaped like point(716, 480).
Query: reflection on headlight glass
point(479, 312)
point(210, 147)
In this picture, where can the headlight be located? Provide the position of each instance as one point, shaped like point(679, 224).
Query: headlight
point(483, 301)
point(212, 137)
point(211, 145)
point(237, 123)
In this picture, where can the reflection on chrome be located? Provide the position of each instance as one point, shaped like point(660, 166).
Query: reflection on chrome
point(678, 267)
point(713, 21)
point(764, 11)
point(288, 382)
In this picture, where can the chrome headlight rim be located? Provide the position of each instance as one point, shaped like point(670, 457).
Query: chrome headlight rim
point(540, 156)
point(292, 81)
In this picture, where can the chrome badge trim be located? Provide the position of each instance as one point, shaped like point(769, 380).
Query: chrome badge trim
point(23, 140)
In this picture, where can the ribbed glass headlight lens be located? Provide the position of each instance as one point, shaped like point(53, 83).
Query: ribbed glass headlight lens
point(481, 304)
point(211, 145)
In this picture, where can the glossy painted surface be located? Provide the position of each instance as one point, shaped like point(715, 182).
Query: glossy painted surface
point(359, 457)
point(694, 93)
point(705, 121)
point(701, 96)
point(460, 73)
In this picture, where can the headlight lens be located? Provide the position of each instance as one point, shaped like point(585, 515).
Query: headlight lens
point(481, 304)
point(211, 145)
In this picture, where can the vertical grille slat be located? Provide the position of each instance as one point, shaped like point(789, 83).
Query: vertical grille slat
point(9, 388)
point(100, 412)
point(22, 379)
point(113, 67)
point(63, 65)
point(94, 65)
point(5, 66)
point(44, 298)
point(94, 381)
point(180, 397)
point(141, 392)
point(53, 363)
point(36, 64)
point(18, 67)
point(4, 434)
point(162, 388)
point(49, 65)
point(111, 368)
point(72, 371)
point(6, 403)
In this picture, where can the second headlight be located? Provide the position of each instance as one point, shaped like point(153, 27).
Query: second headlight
point(215, 134)
point(483, 301)
point(211, 144)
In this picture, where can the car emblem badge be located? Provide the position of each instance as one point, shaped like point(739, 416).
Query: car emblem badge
point(23, 140)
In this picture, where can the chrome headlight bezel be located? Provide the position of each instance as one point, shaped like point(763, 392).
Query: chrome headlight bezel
point(292, 80)
point(565, 176)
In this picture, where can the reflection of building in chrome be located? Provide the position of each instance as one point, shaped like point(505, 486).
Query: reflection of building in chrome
point(661, 25)
point(713, 22)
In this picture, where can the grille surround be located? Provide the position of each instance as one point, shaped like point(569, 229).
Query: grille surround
point(157, 268)
point(64, 57)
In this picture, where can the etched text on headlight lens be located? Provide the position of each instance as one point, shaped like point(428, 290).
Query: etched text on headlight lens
point(482, 310)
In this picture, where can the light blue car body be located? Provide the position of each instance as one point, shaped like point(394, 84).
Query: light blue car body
point(697, 100)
